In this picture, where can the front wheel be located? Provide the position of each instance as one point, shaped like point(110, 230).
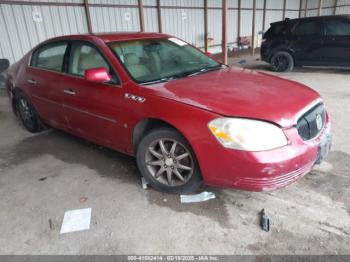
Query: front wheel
point(282, 61)
point(167, 162)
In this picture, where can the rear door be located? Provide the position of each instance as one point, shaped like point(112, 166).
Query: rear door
point(92, 109)
point(44, 75)
point(307, 41)
point(337, 41)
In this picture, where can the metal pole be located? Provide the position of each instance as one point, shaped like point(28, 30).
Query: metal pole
point(141, 16)
point(300, 7)
point(319, 7)
point(335, 7)
point(305, 11)
point(253, 28)
point(159, 14)
point(284, 9)
point(264, 16)
point(239, 20)
point(88, 17)
point(206, 25)
point(224, 31)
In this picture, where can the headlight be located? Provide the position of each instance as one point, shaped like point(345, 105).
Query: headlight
point(247, 134)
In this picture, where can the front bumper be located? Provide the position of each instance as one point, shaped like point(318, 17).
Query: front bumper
point(266, 170)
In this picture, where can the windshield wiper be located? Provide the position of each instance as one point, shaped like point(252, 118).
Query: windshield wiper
point(162, 80)
point(185, 74)
point(205, 69)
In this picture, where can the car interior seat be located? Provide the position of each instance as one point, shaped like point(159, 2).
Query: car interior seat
point(136, 69)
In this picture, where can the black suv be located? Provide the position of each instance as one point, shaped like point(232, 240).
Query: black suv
point(312, 41)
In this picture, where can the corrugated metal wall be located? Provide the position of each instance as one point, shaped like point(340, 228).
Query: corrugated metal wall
point(19, 32)
point(23, 26)
point(327, 7)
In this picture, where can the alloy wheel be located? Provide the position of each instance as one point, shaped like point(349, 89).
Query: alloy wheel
point(281, 63)
point(169, 162)
point(26, 113)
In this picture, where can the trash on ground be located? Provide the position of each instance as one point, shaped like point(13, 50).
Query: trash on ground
point(144, 183)
point(204, 196)
point(42, 178)
point(264, 221)
point(83, 199)
point(76, 220)
point(243, 61)
point(51, 224)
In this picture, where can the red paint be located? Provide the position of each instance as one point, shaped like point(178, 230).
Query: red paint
point(100, 113)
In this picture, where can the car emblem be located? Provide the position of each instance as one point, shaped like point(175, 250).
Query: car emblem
point(135, 98)
point(319, 121)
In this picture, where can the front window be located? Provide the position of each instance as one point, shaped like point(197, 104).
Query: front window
point(158, 60)
point(338, 27)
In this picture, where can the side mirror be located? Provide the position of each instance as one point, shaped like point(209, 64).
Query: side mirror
point(4, 65)
point(98, 75)
point(210, 54)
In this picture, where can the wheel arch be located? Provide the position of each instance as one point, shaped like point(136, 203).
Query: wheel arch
point(15, 92)
point(146, 125)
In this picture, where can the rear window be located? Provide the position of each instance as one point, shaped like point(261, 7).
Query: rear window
point(277, 29)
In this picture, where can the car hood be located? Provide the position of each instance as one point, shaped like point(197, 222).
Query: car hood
point(239, 92)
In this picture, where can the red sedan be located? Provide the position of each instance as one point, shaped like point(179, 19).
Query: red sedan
point(187, 118)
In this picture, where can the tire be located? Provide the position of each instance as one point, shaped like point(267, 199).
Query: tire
point(282, 61)
point(27, 114)
point(157, 157)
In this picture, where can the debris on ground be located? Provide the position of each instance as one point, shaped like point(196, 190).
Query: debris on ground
point(76, 220)
point(83, 199)
point(51, 224)
point(241, 62)
point(204, 196)
point(42, 178)
point(144, 183)
point(264, 221)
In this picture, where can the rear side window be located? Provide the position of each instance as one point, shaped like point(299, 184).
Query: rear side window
point(338, 27)
point(308, 28)
point(277, 29)
point(50, 57)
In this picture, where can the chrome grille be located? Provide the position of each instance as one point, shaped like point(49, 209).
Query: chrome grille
point(312, 122)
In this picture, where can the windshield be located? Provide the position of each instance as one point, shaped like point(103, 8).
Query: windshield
point(157, 60)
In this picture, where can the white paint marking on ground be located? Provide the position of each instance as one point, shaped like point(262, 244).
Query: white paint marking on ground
point(76, 220)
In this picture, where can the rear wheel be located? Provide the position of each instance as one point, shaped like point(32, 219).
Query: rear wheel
point(167, 162)
point(27, 114)
point(282, 61)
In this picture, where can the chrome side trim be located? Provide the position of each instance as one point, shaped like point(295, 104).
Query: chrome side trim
point(90, 114)
point(76, 109)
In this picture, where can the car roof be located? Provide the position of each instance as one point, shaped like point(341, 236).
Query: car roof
point(311, 17)
point(111, 37)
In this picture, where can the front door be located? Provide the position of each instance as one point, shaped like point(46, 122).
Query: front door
point(307, 41)
point(337, 41)
point(92, 109)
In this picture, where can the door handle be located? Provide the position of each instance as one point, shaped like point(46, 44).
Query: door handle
point(69, 91)
point(31, 82)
